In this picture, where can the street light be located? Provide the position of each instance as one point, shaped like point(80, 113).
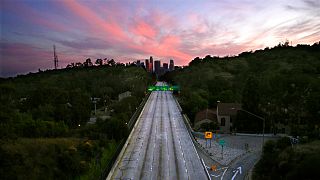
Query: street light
point(94, 101)
point(259, 117)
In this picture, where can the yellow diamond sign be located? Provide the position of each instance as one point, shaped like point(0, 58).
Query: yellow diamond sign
point(208, 135)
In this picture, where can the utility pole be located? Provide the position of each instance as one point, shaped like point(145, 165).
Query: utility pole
point(55, 57)
point(94, 101)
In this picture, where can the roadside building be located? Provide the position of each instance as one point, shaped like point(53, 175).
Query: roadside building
point(226, 114)
point(205, 120)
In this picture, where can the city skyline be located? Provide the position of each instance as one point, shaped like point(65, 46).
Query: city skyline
point(132, 30)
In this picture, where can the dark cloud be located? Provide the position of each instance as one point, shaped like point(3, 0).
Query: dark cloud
point(312, 3)
point(22, 58)
point(311, 7)
point(86, 44)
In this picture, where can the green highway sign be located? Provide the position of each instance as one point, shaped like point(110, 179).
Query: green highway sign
point(163, 88)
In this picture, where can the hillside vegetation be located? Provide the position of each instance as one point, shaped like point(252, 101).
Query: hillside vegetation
point(280, 84)
point(282, 161)
point(44, 131)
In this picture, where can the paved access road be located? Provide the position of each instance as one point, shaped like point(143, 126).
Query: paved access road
point(159, 147)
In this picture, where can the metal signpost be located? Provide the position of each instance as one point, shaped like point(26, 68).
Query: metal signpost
point(208, 135)
point(222, 143)
point(94, 101)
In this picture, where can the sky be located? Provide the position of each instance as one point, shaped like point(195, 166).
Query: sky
point(128, 30)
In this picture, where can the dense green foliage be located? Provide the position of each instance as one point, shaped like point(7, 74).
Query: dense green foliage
point(282, 161)
point(280, 84)
point(53, 158)
point(44, 131)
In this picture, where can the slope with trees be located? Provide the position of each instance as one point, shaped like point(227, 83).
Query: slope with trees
point(44, 131)
point(280, 84)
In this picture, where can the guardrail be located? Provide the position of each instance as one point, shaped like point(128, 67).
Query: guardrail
point(131, 124)
point(113, 159)
point(135, 115)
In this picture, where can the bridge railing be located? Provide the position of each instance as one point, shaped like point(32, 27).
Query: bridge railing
point(131, 124)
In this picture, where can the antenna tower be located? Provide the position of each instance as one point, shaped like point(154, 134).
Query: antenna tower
point(55, 57)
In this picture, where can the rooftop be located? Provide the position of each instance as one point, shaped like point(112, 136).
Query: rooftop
point(228, 108)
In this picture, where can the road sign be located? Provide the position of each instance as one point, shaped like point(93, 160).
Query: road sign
point(222, 142)
point(208, 135)
point(163, 88)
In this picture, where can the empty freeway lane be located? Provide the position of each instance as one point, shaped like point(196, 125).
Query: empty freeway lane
point(159, 147)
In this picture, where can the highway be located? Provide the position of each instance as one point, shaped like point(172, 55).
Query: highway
point(159, 146)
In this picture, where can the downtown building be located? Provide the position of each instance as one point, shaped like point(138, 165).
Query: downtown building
point(157, 67)
point(150, 69)
point(171, 65)
point(154, 66)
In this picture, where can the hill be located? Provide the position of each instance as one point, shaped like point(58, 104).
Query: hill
point(44, 131)
point(280, 84)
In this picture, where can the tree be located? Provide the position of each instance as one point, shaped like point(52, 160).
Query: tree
point(99, 62)
point(87, 63)
point(78, 64)
point(251, 95)
point(111, 62)
point(195, 61)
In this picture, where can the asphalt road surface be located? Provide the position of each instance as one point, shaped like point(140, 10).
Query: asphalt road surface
point(159, 146)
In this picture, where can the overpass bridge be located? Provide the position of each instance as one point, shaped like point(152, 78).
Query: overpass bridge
point(159, 146)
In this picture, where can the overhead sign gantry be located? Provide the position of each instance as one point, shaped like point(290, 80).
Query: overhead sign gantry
point(163, 88)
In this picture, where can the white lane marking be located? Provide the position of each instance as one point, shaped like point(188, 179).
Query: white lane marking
point(237, 171)
point(214, 175)
point(221, 168)
point(202, 161)
point(240, 169)
point(224, 173)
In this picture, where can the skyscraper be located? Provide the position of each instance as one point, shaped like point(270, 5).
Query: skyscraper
point(165, 66)
point(147, 65)
point(171, 66)
point(157, 67)
point(151, 64)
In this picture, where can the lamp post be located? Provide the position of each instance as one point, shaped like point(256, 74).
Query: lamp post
point(94, 101)
point(259, 117)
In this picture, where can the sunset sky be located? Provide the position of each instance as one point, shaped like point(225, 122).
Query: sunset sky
point(137, 29)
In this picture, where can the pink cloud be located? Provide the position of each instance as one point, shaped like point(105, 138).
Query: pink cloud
point(112, 31)
point(167, 48)
point(108, 27)
point(171, 41)
point(141, 28)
